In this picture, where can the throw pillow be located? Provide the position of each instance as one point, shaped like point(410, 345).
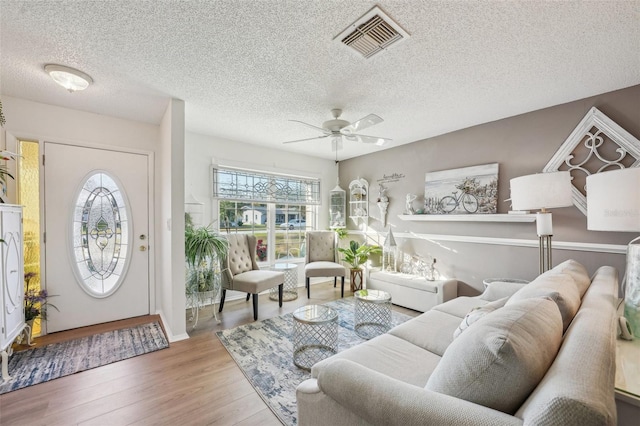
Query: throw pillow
point(476, 313)
point(500, 360)
point(560, 288)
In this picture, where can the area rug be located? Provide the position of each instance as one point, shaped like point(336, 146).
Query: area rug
point(264, 352)
point(38, 365)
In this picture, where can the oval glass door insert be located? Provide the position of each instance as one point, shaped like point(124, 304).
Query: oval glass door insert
point(100, 239)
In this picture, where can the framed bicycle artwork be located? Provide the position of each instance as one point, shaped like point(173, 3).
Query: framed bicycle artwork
point(468, 190)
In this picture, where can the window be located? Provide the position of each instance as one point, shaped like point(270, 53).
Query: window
point(278, 210)
point(100, 235)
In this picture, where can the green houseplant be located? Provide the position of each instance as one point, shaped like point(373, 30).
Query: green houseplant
point(356, 255)
point(204, 249)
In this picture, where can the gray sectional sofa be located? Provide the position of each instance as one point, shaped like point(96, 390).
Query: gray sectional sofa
point(541, 353)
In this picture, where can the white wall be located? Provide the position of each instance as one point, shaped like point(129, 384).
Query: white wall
point(35, 121)
point(202, 150)
point(170, 227)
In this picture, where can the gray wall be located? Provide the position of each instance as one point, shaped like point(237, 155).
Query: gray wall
point(521, 145)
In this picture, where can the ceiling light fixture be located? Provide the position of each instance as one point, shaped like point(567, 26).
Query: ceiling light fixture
point(69, 78)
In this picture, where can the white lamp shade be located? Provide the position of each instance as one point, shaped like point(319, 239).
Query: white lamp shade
point(613, 201)
point(541, 191)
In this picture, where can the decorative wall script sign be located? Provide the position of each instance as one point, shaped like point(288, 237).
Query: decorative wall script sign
point(393, 177)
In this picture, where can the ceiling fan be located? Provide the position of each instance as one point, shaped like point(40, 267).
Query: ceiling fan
point(339, 129)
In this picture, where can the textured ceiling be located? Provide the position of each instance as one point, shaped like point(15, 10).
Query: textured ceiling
point(244, 68)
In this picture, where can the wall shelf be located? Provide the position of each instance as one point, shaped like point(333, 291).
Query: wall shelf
point(468, 217)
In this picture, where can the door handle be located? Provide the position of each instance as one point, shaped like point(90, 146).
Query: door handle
point(143, 248)
point(142, 237)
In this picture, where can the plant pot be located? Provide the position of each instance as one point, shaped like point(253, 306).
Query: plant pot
point(356, 279)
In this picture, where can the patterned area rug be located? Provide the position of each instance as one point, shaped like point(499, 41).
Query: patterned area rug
point(33, 366)
point(264, 352)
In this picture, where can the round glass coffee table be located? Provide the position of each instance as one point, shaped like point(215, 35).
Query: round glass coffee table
point(315, 334)
point(372, 313)
point(290, 288)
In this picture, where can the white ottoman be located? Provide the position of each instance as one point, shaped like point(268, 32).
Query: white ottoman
point(412, 291)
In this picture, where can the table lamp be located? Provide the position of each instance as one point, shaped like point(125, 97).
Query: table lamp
point(613, 204)
point(542, 191)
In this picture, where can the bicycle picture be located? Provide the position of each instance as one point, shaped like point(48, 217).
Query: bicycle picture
point(450, 203)
point(469, 190)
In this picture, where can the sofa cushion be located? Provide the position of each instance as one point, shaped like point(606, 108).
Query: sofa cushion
point(576, 271)
point(460, 306)
point(558, 287)
point(501, 359)
point(391, 356)
point(476, 313)
point(499, 289)
point(432, 331)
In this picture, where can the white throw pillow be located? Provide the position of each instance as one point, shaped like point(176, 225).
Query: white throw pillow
point(499, 361)
point(560, 288)
point(476, 313)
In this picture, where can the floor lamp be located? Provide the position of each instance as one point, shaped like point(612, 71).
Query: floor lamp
point(542, 191)
point(613, 204)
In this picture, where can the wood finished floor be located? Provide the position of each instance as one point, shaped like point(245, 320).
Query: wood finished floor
point(193, 382)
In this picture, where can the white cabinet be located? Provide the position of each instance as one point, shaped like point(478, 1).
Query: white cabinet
point(11, 280)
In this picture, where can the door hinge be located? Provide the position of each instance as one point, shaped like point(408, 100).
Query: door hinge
point(43, 159)
point(44, 237)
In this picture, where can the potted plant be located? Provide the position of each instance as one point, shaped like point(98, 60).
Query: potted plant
point(203, 250)
point(356, 255)
point(35, 301)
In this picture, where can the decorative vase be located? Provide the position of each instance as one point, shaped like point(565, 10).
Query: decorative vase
point(356, 279)
point(632, 290)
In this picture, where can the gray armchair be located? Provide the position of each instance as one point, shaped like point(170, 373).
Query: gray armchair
point(322, 259)
point(242, 273)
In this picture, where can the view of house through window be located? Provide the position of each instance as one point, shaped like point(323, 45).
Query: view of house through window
point(282, 226)
point(278, 210)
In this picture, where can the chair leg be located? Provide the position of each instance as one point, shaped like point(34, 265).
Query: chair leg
point(342, 287)
point(248, 296)
point(224, 293)
point(308, 289)
point(280, 289)
point(255, 307)
point(335, 281)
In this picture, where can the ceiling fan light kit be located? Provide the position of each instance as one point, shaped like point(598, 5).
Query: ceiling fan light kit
point(340, 129)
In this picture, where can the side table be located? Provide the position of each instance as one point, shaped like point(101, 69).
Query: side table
point(315, 334)
point(372, 313)
point(290, 288)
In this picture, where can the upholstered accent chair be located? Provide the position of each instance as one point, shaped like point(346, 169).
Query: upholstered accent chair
point(242, 273)
point(322, 259)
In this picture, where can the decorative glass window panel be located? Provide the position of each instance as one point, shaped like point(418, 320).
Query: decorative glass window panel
point(100, 242)
point(262, 187)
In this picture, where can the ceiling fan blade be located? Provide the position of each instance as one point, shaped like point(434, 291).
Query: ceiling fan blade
point(362, 124)
point(307, 139)
point(370, 139)
point(312, 126)
point(336, 144)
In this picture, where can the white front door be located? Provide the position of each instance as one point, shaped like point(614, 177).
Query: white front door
point(96, 205)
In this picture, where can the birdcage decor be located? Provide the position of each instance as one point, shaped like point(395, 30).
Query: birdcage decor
point(337, 207)
point(389, 253)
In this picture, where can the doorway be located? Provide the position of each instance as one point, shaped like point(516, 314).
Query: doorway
point(96, 235)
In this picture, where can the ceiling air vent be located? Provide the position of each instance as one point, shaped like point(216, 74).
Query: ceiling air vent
point(372, 33)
